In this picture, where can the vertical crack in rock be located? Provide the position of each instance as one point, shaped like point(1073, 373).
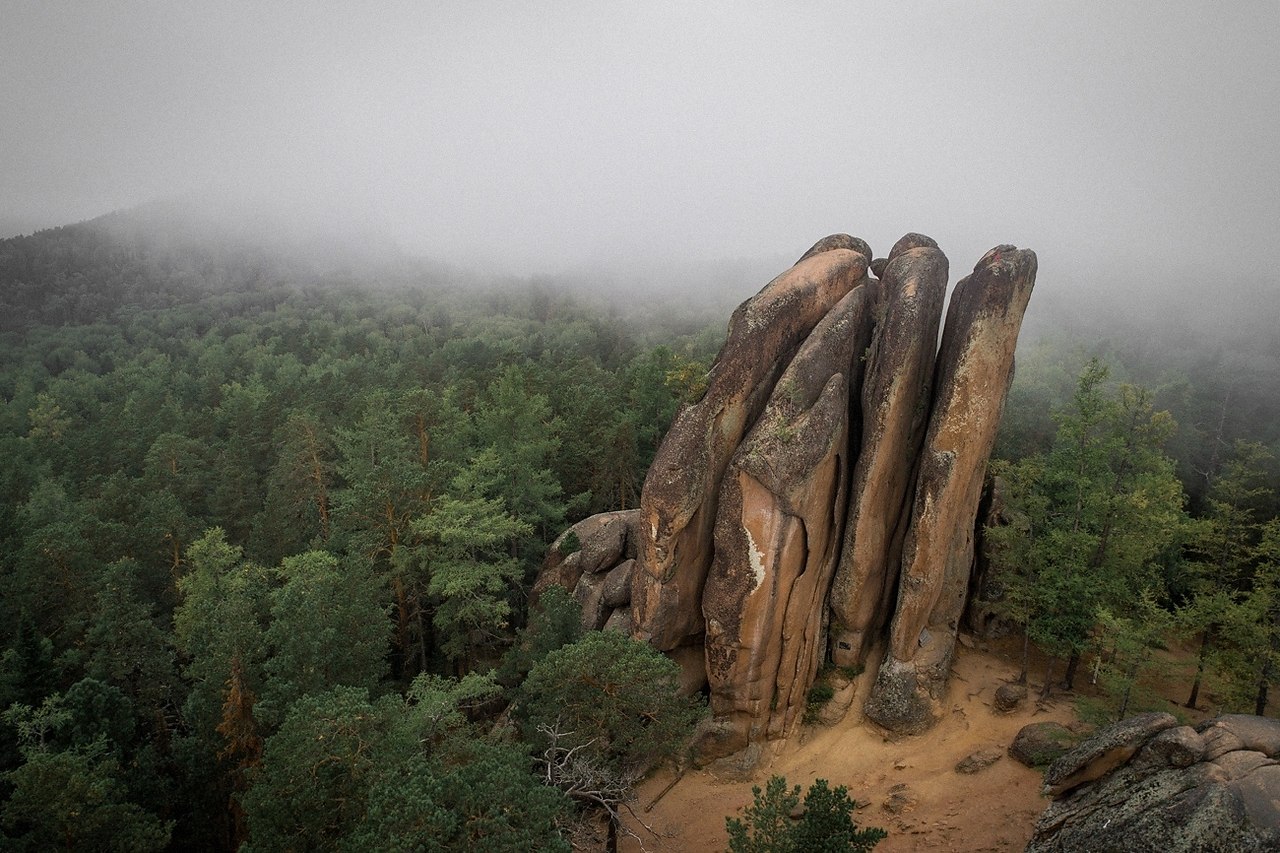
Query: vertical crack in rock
point(777, 533)
point(679, 500)
point(895, 403)
point(974, 370)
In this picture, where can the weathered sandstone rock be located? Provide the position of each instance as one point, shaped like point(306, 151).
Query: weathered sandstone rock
point(1009, 696)
point(1038, 744)
point(1169, 796)
point(980, 760)
point(602, 540)
point(617, 584)
point(589, 593)
point(680, 495)
point(777, 534)
point(975, 368)
point(895, 409)
point(838, 241)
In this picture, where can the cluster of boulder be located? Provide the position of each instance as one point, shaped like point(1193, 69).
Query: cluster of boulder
point(1150, 784)
point(820, 499)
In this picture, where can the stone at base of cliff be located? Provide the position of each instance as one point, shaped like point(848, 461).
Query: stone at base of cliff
point(898, 701)
point(1039, 744)
point(1009, 697)
point(980, 760)
point(1157, 802)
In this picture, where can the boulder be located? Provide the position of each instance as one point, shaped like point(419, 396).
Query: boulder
point(1169, 796)
point(900, 799)
point(617, 584)
point(620, 621)
point(895, 407)
point(980, 760)
point(910, 241)
point(589, 593)
point(601, 541)
point(974, 370)
point(777, 534)
point(1038, 744)
point(1009, 697)
point(1105, 751)
point(680, 496)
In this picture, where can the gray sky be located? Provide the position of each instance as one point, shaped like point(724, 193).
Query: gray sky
point(1113, 138)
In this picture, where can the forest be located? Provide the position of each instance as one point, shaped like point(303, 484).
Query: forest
point(268, 531)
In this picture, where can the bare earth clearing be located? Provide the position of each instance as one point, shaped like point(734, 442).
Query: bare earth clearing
point(993, 809)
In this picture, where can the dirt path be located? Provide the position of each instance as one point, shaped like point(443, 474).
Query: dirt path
point(992, 809)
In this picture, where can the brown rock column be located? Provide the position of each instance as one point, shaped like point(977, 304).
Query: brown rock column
point(679, 499)
point(777, 535)
point(895, 408)
point(975, 367)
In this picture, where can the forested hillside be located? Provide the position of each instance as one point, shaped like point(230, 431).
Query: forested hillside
point(268, 526)
point(232, 483)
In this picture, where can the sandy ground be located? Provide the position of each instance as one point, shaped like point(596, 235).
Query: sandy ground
point(993, 809)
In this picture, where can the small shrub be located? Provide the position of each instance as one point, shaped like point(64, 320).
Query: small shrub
point(570, 543)
point(827, 823)
point(818, 696)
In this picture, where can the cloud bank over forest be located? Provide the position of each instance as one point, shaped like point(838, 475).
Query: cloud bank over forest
point(1121, 143)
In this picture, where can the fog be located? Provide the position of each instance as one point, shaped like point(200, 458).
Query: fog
point(1132, 145)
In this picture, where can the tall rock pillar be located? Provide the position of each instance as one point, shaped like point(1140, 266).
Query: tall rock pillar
point(777, 535)
point(895, 411)
point(681, 490)
point(974, 370)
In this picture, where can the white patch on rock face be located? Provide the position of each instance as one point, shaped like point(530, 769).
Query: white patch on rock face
point(756, 559)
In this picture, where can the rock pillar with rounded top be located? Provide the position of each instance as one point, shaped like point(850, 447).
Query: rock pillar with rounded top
point(974, 370)
point(895, 410)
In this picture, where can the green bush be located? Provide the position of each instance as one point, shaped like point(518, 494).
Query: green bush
point(826, 824)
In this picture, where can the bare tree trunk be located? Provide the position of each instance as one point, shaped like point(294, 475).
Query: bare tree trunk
point(1026, 655)
point(1200, 661)
point(1069, 679)
point(1048, 679)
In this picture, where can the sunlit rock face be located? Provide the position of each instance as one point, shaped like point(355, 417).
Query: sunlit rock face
point(820, 499)
point(682, 488)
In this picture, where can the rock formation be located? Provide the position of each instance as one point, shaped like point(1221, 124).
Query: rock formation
point(681, 490)
point(895, 405)
point(777, 533)
point(826, 483)
point(974, 370)
point(1148, 784)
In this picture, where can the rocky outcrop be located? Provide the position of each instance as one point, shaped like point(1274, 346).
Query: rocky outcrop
point(974, 370)
point(594, 560)
point(682, 488)
point(1148, 784)
point(822, 495)
point(777, 533)
point(895, 408)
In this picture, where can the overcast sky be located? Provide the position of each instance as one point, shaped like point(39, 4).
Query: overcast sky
point(539, 137)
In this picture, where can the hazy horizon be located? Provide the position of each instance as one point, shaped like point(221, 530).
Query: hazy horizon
point(591, 138)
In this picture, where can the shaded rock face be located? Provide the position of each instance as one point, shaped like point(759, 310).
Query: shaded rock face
point(1148, 784)
point(822, 495)
point(594, 560)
